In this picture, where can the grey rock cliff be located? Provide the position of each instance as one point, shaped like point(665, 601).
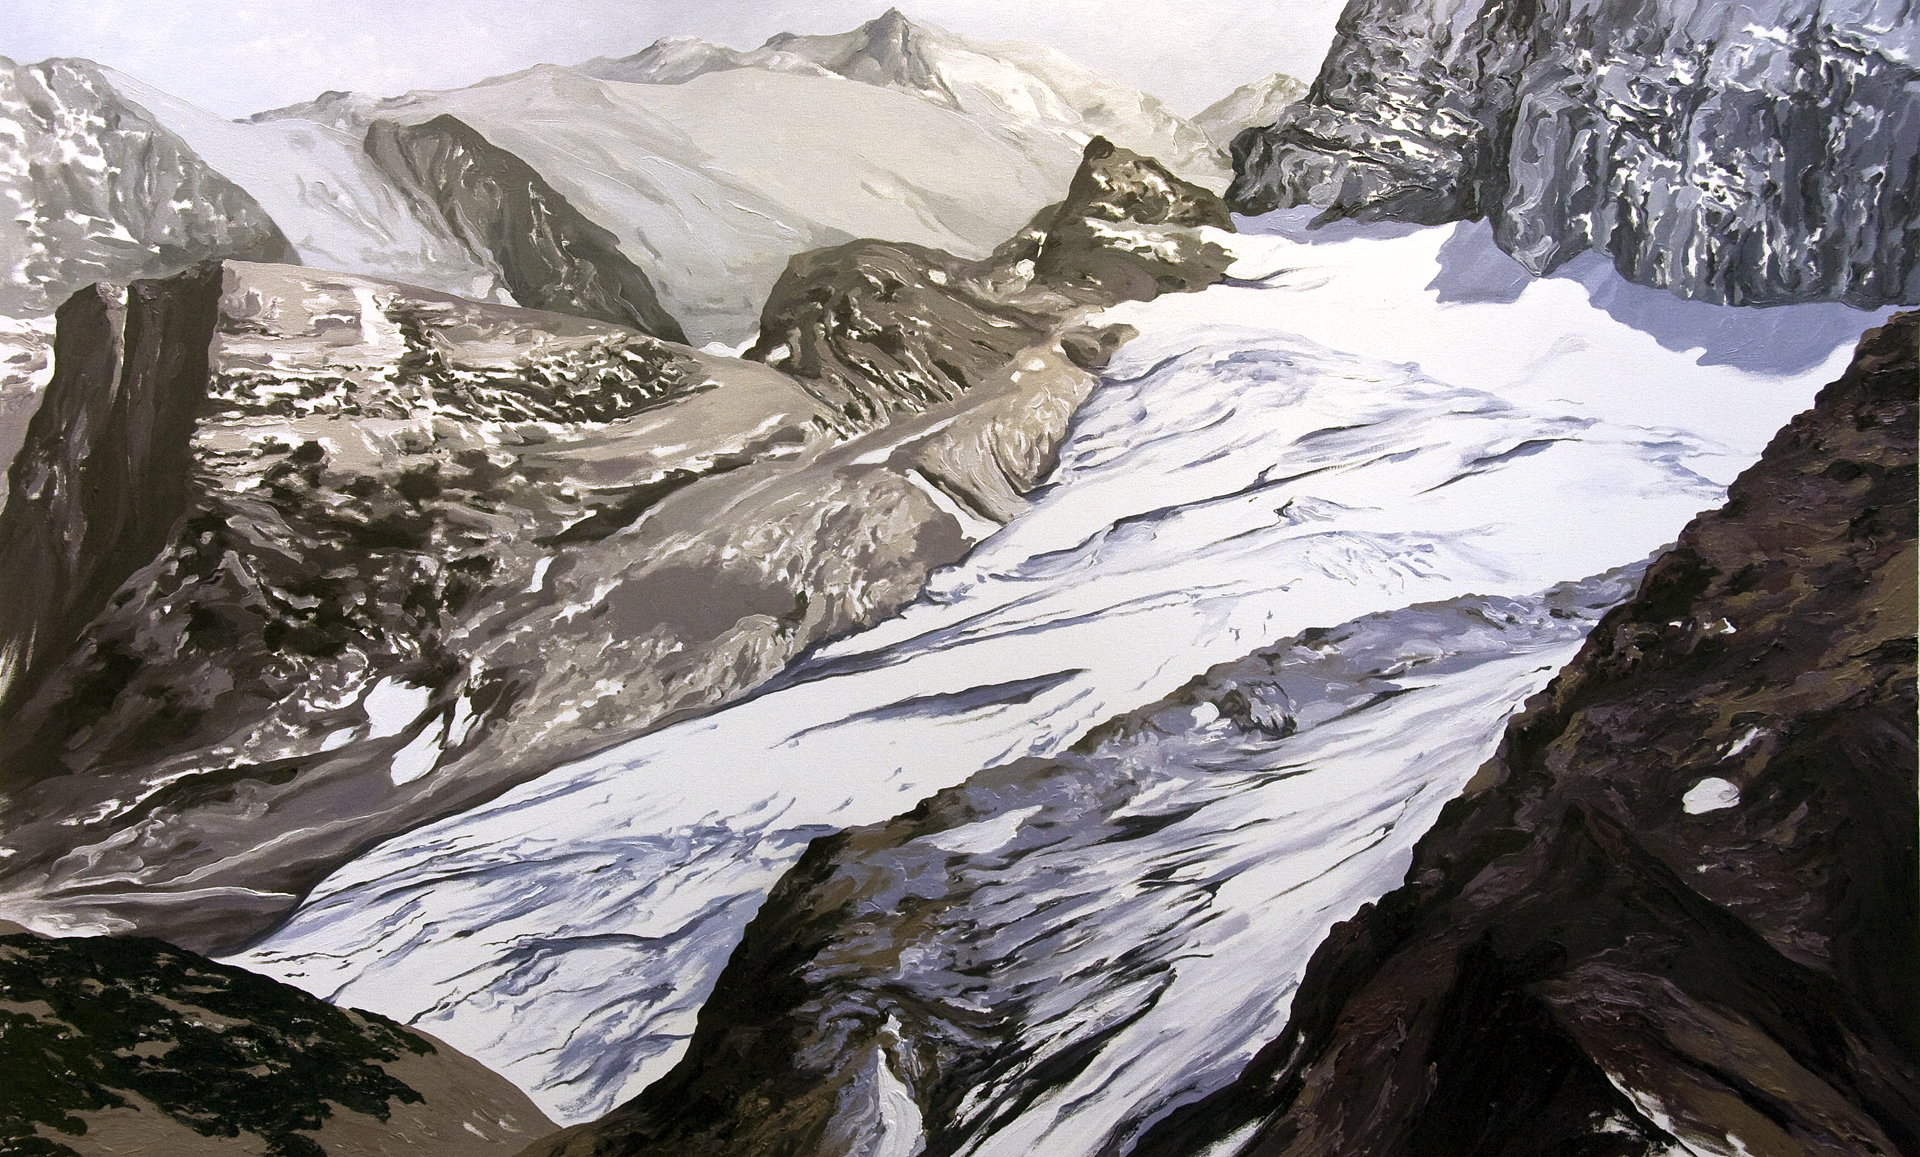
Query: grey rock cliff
point(104, 192)
point(1745, 154)
point(551, 256)
point(104, 470)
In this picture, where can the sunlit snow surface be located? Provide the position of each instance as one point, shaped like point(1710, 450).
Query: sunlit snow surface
point(1326, 440)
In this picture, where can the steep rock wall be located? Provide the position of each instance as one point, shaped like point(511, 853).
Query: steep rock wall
point(1733, 153)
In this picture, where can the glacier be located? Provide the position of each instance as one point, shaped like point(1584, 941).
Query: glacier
point(1364, 419)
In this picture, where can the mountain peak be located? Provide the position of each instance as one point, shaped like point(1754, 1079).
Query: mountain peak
point(890, 23)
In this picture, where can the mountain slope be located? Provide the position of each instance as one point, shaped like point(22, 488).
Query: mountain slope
point(1747, 154)
point(1678, 908)
point(1030, 95)
point(712, 182)
point(551, 257)
point(101, 191)
point(1250, 106)
point(338, 210)
point(134, 1046)
point(395, 553)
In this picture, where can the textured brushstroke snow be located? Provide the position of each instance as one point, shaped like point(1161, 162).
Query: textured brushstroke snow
point(1232, 482)
point(714, 167)
point(335, 206)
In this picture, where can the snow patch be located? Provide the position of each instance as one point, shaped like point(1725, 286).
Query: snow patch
point(391, 705)
point(1710, 795)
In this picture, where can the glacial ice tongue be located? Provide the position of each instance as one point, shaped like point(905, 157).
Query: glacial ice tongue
point(1341, 431)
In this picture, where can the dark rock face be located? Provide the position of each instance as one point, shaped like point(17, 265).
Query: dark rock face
point(872, 326)
point(104, 471)
point(1732, 153)
point(1128, 229)
point(105, 193)
point(134, 1045)
point(1680, 904)
point(551, 256)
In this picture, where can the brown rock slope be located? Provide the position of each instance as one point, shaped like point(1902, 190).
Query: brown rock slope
point(134, 1046)
point(1680, 903)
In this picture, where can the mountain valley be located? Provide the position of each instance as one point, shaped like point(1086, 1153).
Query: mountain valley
point(887, 594)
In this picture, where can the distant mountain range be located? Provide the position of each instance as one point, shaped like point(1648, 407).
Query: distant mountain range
point(706, 167)
point(718, 165)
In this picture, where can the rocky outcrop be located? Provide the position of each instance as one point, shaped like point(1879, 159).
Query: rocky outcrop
point(1731, 153)
point(428, 549)
point(103, 192)
point(136, 1046)
point(550, 255)
point(104, 470)
point(874, 326)
point(1678, 909)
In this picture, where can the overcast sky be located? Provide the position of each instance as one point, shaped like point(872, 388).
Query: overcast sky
point(239, 58)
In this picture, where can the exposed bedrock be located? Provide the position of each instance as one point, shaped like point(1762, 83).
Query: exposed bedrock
point(131, 1045)
point(103, 473)
point(101, 191)
point(1678, 909)
point(872, 325)
point(420, 550)
point(1744, 154)
point(551, 255)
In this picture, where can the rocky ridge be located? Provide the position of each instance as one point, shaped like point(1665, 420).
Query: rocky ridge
point(425, 549)
point(894, 52)
point(103, 192)
point(551, 256)
point(1731, 153)
point(1679, 907)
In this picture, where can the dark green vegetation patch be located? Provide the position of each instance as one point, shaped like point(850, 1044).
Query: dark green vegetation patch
point(221, 1050)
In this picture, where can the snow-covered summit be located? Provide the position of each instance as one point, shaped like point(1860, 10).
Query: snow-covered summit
point(1032, 89)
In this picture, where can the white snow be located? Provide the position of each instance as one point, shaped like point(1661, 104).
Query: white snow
point(391, 705)
point(1710, 795)
point(333, 203)
point(1327, 442)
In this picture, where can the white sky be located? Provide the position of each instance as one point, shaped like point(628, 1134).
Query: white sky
point(237, 58)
